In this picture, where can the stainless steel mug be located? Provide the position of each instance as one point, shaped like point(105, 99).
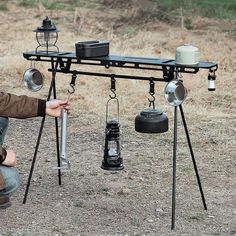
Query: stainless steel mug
point(33, 79)
point(175, 92)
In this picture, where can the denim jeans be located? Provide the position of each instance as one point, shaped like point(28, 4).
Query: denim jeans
point(3, 128)
point(10, 174)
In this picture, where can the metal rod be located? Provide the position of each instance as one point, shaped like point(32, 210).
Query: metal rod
point(63, 157)
point(110, 75)
point(54, 69)
point(63, 134)
point(37, 145)
point(174, 169)
point(193, 158)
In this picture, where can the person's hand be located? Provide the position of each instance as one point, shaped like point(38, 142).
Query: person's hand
point(54, 107)
point(10, 159)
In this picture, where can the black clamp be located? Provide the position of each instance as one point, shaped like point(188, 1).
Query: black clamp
point(168, 74)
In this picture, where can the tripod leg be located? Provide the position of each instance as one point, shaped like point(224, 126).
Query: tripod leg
point(33, 161)
point(193, 158)
point(36, 149)
point(52, 86)
point(174, 170)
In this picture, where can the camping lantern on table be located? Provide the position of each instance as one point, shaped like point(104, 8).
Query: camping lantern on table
point(47, 35)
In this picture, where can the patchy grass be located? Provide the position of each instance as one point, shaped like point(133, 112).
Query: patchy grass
point(50, 5)
point(3, 5)
point(206, 8)
point(156, 9)
point(58, 5)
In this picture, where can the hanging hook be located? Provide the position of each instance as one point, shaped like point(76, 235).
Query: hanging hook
point(152, 102)
point(112, 96)
point(72, 84)
point(32, 63)
point(178, 73)
point(113, 87)
point(152, 92)
point(71, 90)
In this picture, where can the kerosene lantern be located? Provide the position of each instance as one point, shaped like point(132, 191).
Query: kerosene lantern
point(47, 36)
point(112, 159)
point(151, 120)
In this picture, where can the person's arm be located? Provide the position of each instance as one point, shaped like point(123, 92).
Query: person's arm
point(21, 107)
point(26, 107)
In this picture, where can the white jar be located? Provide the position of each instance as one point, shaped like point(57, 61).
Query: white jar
point(187, 55)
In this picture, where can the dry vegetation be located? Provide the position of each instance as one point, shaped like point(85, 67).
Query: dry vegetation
point(136, 201)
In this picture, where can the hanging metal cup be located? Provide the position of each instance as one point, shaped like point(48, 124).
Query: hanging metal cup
point(33, 79)
point(175, 92)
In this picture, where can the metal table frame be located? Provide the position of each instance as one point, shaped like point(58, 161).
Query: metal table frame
point(61, 63)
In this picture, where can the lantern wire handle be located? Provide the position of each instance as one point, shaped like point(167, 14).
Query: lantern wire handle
point(152, 92)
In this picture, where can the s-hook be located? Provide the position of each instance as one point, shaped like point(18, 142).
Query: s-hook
point(113, 87)
point(152, 92)
point(72, 84)
point(113, 98)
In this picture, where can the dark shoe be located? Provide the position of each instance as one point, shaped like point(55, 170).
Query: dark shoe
point(4, 202)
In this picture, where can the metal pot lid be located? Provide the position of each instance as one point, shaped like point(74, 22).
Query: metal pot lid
point(151, 113)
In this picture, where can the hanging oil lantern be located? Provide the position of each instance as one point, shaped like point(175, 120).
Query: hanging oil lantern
point(112, 159)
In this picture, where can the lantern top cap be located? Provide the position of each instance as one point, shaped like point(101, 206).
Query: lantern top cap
point(47, 25)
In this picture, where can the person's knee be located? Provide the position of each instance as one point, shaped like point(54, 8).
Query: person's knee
point(12, 180)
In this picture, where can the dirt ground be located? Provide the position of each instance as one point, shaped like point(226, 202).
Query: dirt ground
point(137, 200)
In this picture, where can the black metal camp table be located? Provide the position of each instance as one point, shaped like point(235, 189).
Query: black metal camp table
point(61, 62)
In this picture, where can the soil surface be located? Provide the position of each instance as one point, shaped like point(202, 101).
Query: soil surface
point(135, 201)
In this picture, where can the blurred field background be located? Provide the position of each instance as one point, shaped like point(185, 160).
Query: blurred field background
point(143, 28)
